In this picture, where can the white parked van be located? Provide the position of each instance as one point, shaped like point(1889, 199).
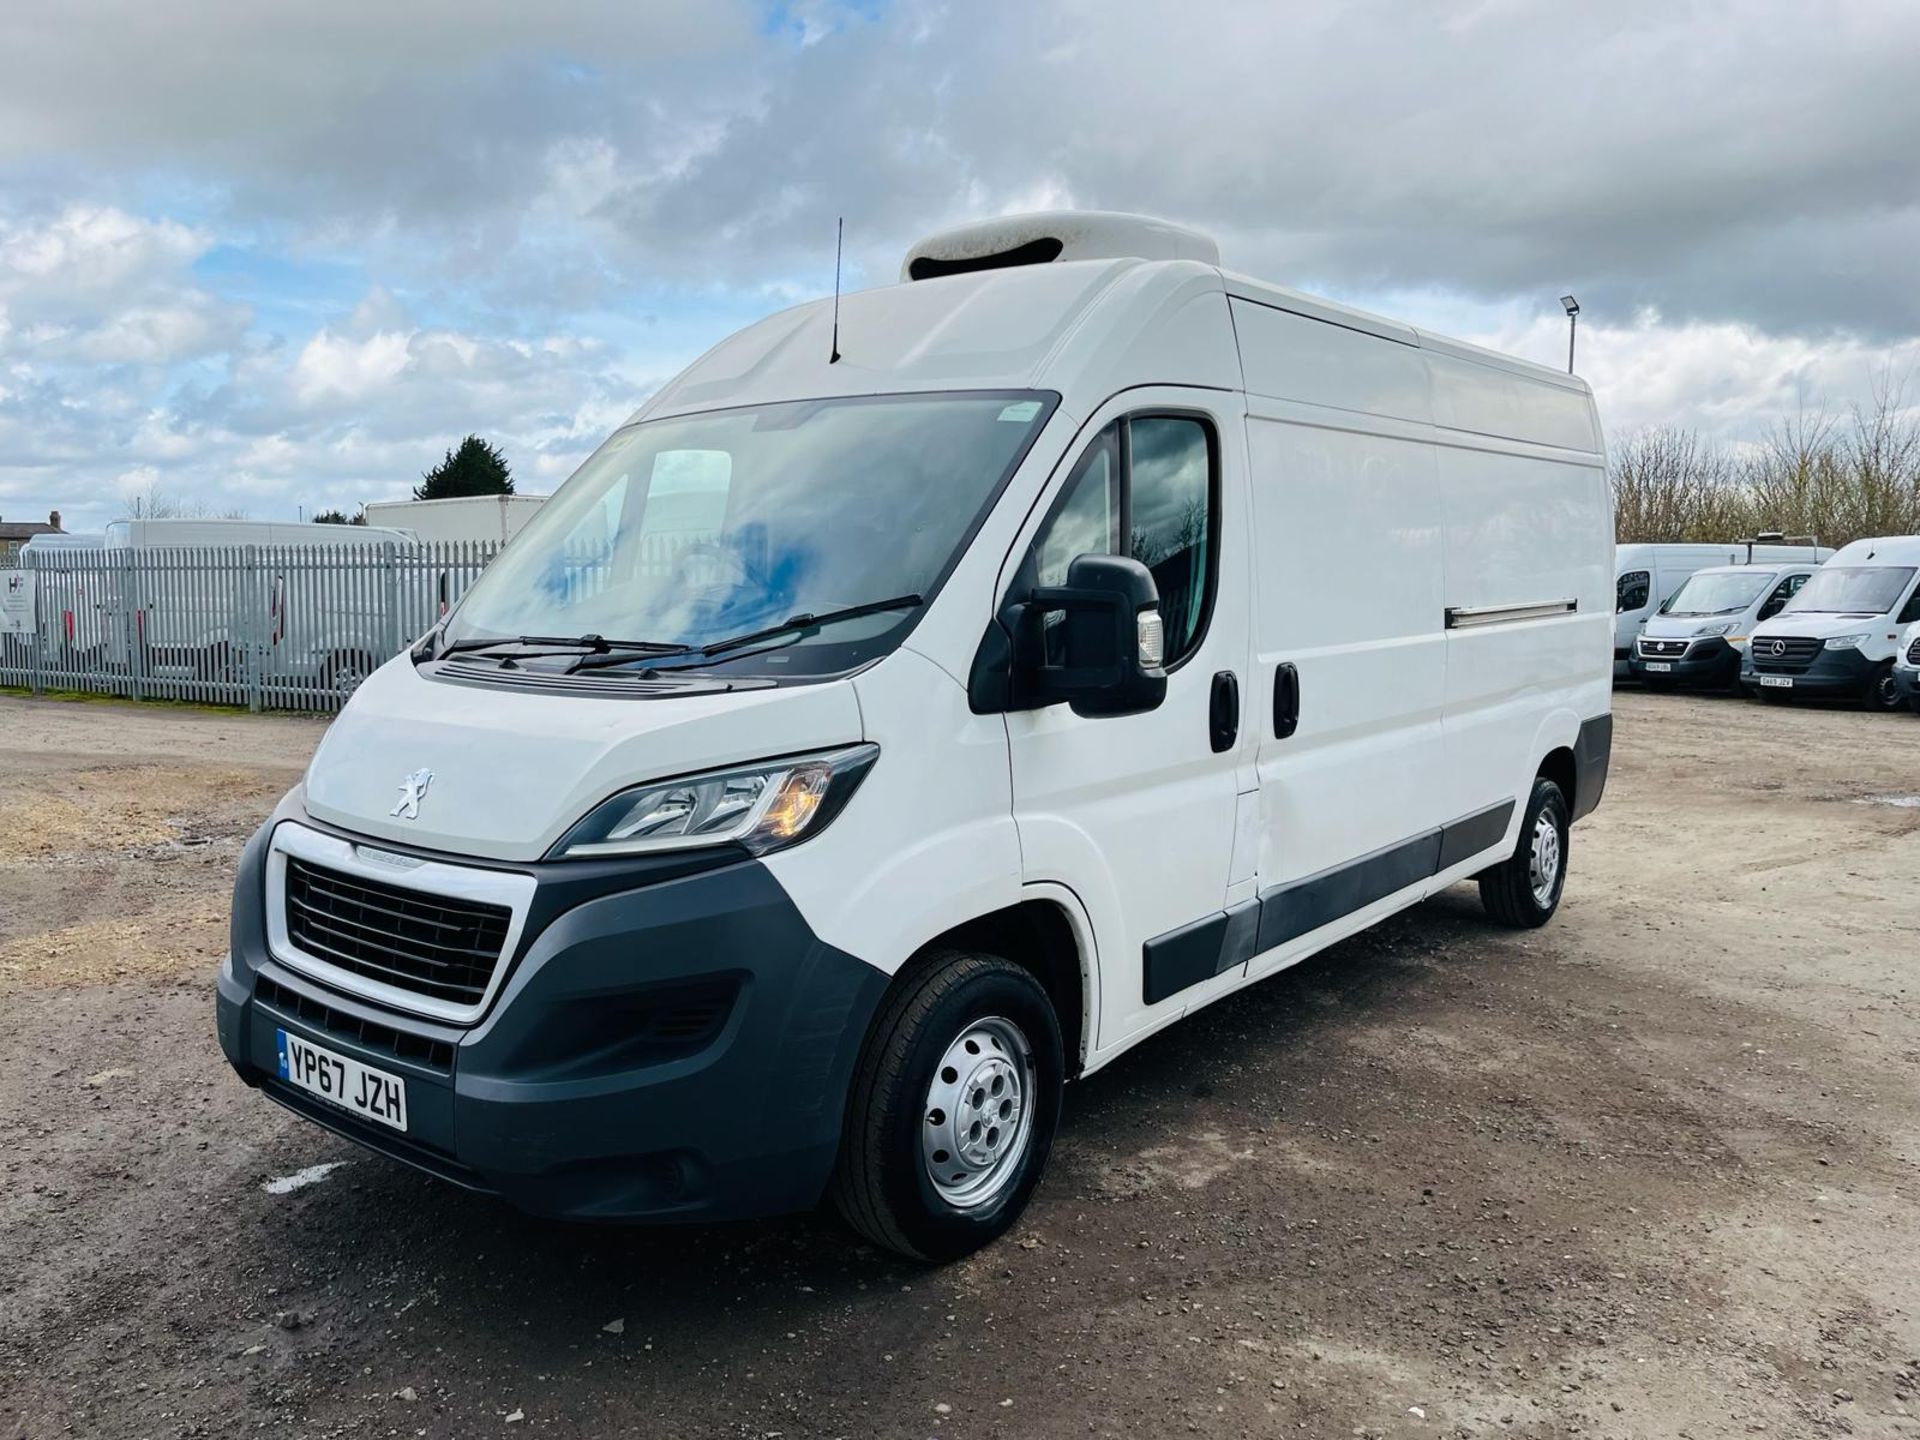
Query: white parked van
point(486, 519)
point(1906, 669)
point(1839, 636)
point(1072, 635)
point(1699, 635)
point(190, 612)
point(1646, 576)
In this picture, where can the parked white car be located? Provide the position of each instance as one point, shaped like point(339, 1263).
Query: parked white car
point(1838, 638)
point(1699, 636)
point(1087, 632)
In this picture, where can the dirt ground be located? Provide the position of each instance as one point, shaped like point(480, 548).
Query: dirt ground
point(1651, 1171)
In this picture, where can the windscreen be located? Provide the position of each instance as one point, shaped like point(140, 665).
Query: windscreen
point(697, 528)
point(1722, 594)
point(1856, 590)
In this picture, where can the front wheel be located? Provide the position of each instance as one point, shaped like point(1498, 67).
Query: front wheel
point(953, 1109)
point(1524, 889)
point(1882, 692)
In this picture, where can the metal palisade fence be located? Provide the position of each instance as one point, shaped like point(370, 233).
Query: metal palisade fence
point(268, 627)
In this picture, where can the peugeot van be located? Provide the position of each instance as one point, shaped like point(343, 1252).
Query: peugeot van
point(1699, 636)
point(1838, 638)
point(1646, 576)
point(920, 701)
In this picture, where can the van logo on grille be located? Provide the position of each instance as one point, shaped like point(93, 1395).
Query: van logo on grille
point(413, 789)
point(1778, 647)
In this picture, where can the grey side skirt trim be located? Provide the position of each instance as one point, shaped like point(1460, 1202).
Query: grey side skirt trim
point(1215, 944)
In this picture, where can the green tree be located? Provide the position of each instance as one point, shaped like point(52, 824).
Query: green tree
point(339, 517)
point(474, 468)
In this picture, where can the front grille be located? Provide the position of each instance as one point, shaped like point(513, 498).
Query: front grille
point(1663, 649)
point(1913, 653)
point(433, 945)
point(401, 1044)
point(1783, 655)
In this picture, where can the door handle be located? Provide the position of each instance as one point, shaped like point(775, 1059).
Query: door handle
point(1286, 701)
point(1223, 712)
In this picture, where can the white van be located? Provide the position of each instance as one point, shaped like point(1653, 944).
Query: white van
point(486, 519)
point(1906, 669)
point(1072, 635)
point(194, 614)
point(1837, 639)
point(1699, 635)
point(1646, 576)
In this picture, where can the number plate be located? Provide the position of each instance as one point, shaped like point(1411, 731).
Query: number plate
point(343, 1081)
point(1778, 682)
point(1659, 667)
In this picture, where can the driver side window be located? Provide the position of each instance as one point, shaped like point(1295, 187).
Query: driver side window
point(1632, 590)
point(1910, 611)
point(1783, 592)
point(1147, 483)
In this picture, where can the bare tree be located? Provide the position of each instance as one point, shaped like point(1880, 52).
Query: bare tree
point(155, 503)
point(1669, 484)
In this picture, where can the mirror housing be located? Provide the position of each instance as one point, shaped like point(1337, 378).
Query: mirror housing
point(1106, 625)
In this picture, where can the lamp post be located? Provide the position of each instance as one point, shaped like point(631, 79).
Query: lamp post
point(1572, 307)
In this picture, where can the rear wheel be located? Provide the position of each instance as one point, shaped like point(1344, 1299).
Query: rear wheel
point(1524, 889)
point(953, 1109)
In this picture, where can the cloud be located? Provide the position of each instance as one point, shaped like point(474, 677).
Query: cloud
point(297, 253)
point(97, 285)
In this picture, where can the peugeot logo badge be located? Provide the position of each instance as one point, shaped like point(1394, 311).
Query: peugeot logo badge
point(413, 789)
point(1778, 647)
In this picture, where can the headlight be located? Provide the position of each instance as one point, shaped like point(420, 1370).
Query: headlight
point(757, 807)
point(1847, 642)
point(1707, 632)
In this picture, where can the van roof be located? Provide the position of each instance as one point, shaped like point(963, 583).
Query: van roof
point(1060, 325)
point(1769, 566)
point(1880, 550)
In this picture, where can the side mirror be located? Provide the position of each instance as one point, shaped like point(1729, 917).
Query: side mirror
point(1770, 609)
point(1095, 642)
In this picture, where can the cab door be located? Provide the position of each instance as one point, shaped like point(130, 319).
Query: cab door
point(1137, 814)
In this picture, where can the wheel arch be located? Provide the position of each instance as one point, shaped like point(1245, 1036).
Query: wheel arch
point(1046, 934)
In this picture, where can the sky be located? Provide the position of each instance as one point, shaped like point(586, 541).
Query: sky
point(272, 258)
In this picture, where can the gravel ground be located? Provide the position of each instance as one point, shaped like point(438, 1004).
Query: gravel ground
point(1649, 1172)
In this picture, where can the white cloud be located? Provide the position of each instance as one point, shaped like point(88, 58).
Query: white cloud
point(96, 284)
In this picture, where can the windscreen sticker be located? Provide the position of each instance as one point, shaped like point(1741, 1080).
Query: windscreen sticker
point(1021, 411)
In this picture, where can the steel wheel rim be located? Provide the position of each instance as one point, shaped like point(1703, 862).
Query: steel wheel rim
point(1543, 859)
point(977, 1120)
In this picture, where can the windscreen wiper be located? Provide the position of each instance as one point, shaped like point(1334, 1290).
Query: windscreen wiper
point(800, 624)
point(594, 644)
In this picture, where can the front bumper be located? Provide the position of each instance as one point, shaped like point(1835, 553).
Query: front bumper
point(1711, 661)
point(1844, 673)
point(675, 1048)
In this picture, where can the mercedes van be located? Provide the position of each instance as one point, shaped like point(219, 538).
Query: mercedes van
point(1646, 577)
point(918, 703)
point(1699, 636)
point(1838, 638)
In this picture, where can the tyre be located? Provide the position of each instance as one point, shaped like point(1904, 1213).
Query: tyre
point(1882, 693)
point(1524, 889)
point(953, 1108)
point(347, 670)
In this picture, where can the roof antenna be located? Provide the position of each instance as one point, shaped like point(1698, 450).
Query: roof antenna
point(839, 230)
